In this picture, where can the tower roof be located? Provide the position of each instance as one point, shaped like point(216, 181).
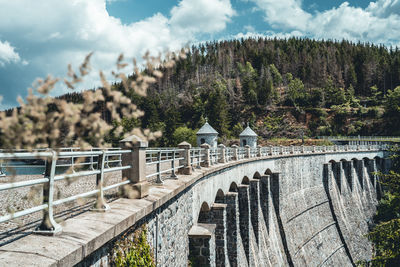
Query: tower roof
point(248, 132)
point(207, 129)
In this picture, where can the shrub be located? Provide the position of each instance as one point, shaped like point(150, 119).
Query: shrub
point(133, 250)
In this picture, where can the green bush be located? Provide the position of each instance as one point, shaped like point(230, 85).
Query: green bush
point(133, 251)
point(184, 134)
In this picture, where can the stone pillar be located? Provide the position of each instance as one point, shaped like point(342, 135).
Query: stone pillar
point(202, 245)
point(248, 154)
point(207, 161)
point(222, 151)
point(371, 169)
point(359, 167)
point(244, 218)
point(313, 148)
point(186, 161)
point(348, 171)
point(138, 188)
point(264, 198)
point(255, 207)
point(302, 149)
point(259, 151)
point(337, 174)
point(232, 229)
point(235, 152)
point(270, 150)
point(218, 217)
point(291, 149)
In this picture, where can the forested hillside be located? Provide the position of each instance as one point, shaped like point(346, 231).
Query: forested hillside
point(283, 88)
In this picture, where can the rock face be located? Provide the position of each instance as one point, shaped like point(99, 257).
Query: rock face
point(308, 210)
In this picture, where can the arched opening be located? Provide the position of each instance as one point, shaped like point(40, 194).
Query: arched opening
point(257, 175)
point(220, 197)
point(233, 187)
point(202, 141)
point(268, 172)
point(204, 214)
point(244, 142)
point(246, 180)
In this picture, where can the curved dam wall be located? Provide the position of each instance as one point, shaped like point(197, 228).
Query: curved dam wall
point(308, 210)
point(289, 210)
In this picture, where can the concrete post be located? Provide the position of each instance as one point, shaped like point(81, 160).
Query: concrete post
point(186, 161)
point(218, 217)
point(264, 198)
point(235, 152)
point(337, 168)
point(202, 244)
point(138, 188)
point(348, 171)
point(244, 218)
point(259, 151)
point(302, 149)
point(313, 148)
point(291, 149)
point(207, 161)
point(281, 150)
point(247, 153)
point(232, 228)
point(270, 150)
point(222, 151)
point(255, 207)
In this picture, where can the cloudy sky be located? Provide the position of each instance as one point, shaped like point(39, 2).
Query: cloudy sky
point(43, 36)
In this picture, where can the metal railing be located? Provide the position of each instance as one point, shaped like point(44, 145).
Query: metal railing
point(165, 160)
point(105, 164)
point(360, 138)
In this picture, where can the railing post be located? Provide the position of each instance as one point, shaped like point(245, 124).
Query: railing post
point(173, 175)
point(138, 188)
point(281, 150)
point(206, 162)
point(158, 165)
point(49, 225)
point(2, 174)
point(101, 204)
point(302, 149)
point(186, 161)
point(271, 150)
point(248, 150)
point(221, 148)
point(291, 149)
point(198, 159)
point(259, 151)
point(313, 148)
point(235, 155)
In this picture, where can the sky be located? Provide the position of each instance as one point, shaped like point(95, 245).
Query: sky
point(42, 37)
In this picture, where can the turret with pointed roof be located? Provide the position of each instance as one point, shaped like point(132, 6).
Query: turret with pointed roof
point(248, 137)
point(207, 134)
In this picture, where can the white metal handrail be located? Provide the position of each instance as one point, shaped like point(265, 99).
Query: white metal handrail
point(50, 177)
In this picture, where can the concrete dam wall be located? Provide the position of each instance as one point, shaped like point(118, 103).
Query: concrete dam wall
point(286, 210)
point(292, 211)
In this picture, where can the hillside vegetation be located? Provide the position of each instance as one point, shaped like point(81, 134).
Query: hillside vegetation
point(284, 88)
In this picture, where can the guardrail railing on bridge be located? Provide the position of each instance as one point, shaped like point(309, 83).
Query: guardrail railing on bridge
point(140, 167)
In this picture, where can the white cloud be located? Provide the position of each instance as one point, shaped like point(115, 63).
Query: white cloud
point(7, 53)
point(57, 32)
point(284, 14)
point(379, 22)
point(201, 15)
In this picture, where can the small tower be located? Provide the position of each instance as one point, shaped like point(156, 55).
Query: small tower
point(248, 137)
point(207, 135)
